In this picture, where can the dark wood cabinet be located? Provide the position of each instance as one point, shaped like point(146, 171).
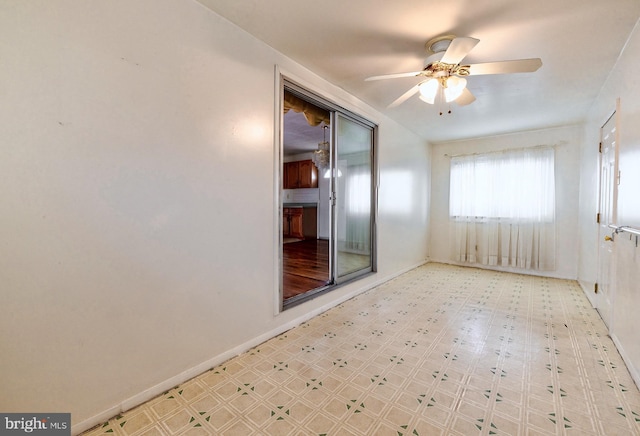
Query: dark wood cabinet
point(291, 173)
point(307, 174)
point(300, 174)
point(292, 223)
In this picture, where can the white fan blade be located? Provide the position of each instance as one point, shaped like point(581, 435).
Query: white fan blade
point(506, 67)
point(465, 98)
point(404, 97)
point(458, 49)
point(393, 76)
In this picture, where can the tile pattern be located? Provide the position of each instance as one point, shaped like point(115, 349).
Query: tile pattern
point(440, 350)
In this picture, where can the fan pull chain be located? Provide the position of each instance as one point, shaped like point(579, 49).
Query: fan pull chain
point(440, 98)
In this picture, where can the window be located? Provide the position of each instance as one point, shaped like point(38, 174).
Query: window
point(502, 208)
point(511, 185)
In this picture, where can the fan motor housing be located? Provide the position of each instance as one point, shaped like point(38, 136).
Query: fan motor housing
point(439, 44)
point(436, 48)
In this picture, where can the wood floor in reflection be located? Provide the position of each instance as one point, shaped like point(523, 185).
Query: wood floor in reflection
point(305, 266)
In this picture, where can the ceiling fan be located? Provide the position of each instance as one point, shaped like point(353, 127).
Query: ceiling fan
point(445, 76)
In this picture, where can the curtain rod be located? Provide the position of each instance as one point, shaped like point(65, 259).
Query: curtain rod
point(507, 149)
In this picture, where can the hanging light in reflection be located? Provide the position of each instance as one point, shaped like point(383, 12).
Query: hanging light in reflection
point(327, 174)
point(321, 155)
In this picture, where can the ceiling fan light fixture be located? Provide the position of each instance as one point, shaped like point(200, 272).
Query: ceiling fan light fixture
point(454, 86)
point(429, 90)
point(443, 63)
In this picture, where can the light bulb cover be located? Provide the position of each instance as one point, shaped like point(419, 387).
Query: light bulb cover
point(454, 87)
point(427, 100)
point(429, 90)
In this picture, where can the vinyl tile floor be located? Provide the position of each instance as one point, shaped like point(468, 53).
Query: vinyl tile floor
point(440, 350)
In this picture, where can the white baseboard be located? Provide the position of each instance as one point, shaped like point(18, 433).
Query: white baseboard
point(178, 379)
point(635, 375)
point(587, 288)
point(530, 272)
point(98, 419)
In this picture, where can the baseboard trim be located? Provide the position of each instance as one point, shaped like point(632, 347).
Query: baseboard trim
point(523, 271)
point(195, 371)
point(635, 375)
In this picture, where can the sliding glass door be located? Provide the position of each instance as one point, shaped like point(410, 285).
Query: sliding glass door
point(327, 223)
point(353, 193)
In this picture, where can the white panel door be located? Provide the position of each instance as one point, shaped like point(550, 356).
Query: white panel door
point(607, 210)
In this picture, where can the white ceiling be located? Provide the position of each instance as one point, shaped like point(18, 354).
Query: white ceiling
point(299, 137)
point(345, 41)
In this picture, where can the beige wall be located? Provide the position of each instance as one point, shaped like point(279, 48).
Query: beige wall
point(138, 208)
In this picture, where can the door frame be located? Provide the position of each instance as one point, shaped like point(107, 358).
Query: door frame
point(284, 80)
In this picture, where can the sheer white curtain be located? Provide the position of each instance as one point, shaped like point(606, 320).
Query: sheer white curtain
point(502, 208)
point(358, 208)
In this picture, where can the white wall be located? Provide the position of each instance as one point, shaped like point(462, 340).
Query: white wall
point(623, 84)
point(138, 208)
point(567, 141)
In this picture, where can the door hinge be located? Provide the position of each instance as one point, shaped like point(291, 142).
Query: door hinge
point(595, 287)
point(598, 218)
point(619, 174)
point(600, 148)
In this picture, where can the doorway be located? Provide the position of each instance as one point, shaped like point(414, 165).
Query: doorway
point(327, 204)
point(607, 216)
